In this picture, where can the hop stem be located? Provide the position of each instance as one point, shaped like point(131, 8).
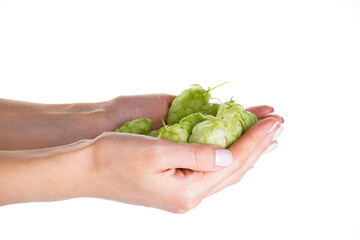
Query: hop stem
point(165, 126)
point(219, 101)
point(216, 86)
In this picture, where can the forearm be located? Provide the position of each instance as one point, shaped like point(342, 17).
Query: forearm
point(26, 125)
point(45, 175)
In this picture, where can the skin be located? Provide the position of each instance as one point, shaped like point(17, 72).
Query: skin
point(56, 152)
point(25, 125)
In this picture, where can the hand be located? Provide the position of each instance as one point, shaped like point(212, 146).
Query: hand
point(173, 176)
point(126, 108)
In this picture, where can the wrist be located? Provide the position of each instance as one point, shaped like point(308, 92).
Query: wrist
point(104, 116)
point(117, 111)
point(74, 167)
point(91, 119)
point(45, 175)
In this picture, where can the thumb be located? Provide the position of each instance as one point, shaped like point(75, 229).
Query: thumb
point(197, 157)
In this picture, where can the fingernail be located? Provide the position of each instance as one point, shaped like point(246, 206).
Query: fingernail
point(267, 115)
point(278, 132)
point(223, 157)
point(272, 147)
point(274, 126)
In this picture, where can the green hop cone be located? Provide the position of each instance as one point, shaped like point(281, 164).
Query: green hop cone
point(229, 109)
point(235, 128)
point(210, 109)
point(137, 126)
point(247, 119)
point(189, 101)
point(174, 133)
point(154, 133)
point(217, 131)
point(234, 110)
point(189, 122)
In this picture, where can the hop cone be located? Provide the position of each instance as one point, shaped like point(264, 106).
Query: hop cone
point(189, 101)
point(247, 120)
point(221, 132)
point(210, 109)
point(189, 122)
point(229, 109)
point(233, 110)
point(154, 133)
point(137, 126)
point(174, 133)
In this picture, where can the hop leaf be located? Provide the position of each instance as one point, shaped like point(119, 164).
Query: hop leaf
point(137, 126)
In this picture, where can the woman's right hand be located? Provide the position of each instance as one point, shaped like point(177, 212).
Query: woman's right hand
point(173, 176)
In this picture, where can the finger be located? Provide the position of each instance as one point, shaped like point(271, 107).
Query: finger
point(275, 116)
point(251, 138)
point(271, 148)
point(241, 151)
point(194, 156)
point(168, 98)
point(253, 157)
point(261, 111)
point(278, 118)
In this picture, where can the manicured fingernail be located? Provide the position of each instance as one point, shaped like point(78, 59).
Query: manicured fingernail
point(278, 132)
point(223, 157)
point(274, 126)
point(267, 115)
point(272, 147)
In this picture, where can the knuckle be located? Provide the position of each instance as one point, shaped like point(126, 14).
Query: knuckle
point(253, 137)
point(187, 200)
point(154, 153)
point(202, 155)
point(177, 210)
point(236, 180)
point(267, 106)
point(180, 211)
point(196, 153)
point(240, 164)
point(102, 141)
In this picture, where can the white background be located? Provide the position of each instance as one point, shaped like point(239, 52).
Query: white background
point(301, 57)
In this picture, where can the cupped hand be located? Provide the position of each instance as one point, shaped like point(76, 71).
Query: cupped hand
point(173, 176)
point(126, 108)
